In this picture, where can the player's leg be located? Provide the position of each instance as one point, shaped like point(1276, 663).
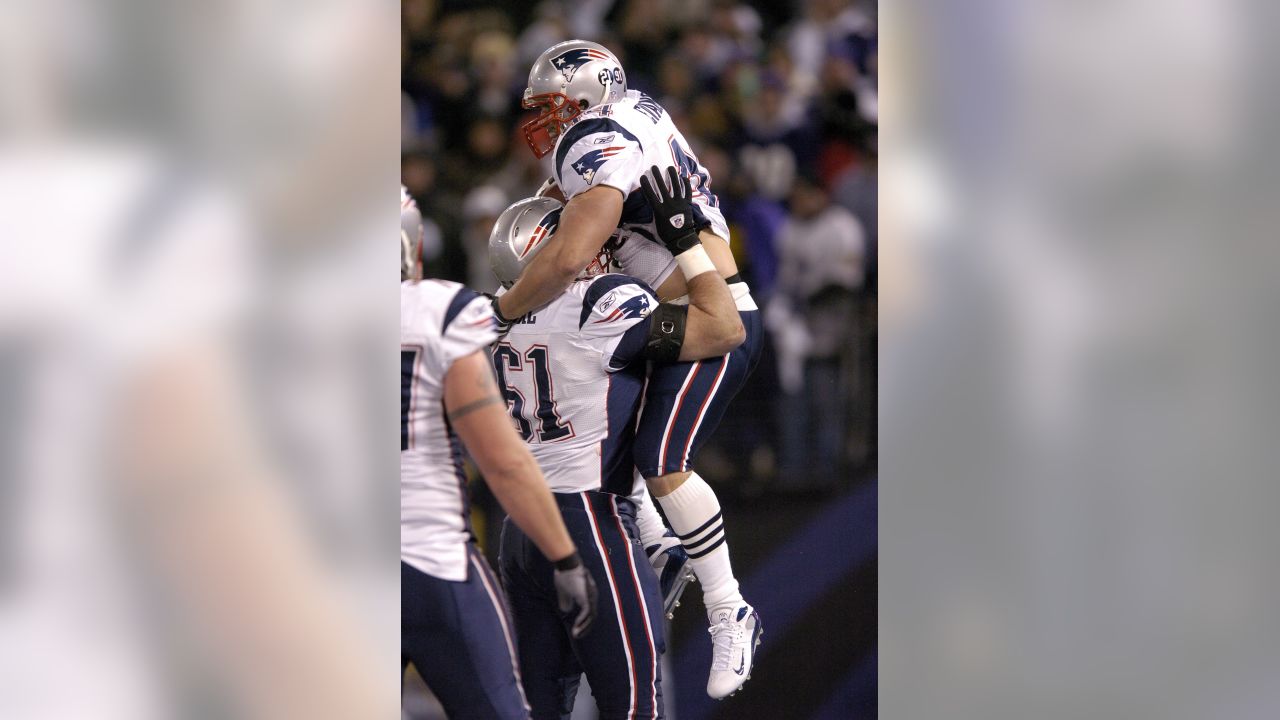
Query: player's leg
point(666, 554)
point(621, 652)
point(684, 403)
point(548, 667)
point(458, 636)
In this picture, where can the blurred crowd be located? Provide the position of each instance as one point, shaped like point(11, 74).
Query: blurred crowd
point(779, 102)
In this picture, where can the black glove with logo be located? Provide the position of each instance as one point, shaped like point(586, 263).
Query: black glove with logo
point(575, 588)
point(672, 210)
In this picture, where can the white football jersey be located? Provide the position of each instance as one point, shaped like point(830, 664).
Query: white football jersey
point(440, 322)
point(615, 145)
point(573, 373)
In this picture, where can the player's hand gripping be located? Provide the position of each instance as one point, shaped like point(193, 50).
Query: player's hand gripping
point(672, 210)
point(575, 588)
point(503, 324)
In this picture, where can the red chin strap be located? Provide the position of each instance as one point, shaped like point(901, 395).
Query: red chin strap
point(557, 114)
point(598, 266)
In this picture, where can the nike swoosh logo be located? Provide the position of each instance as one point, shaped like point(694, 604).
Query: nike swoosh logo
point(742, 664)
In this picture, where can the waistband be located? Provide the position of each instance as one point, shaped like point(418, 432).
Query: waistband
point(601, 501)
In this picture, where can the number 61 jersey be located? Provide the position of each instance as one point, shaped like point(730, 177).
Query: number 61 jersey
point(572, 374)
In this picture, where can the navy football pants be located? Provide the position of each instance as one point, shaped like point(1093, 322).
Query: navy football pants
point(459, 637)
point(684, 403)
point(620, 652)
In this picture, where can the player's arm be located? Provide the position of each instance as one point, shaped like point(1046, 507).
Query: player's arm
point(479, 416)
point(585, 225)
point(713, 326)
point(709, 325)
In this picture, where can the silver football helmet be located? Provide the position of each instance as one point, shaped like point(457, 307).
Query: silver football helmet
point(410, 237)
point(521, 232)
point(566, 79)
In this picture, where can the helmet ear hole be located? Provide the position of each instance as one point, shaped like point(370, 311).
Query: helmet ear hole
point(583, 104)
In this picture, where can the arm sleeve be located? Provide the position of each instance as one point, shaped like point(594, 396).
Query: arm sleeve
point(598, 151)
point(615, 319)
point(469, 325)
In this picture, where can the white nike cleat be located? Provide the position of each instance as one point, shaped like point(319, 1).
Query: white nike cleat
point(735, 635)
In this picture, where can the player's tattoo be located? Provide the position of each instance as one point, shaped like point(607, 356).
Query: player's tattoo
point(471, 407)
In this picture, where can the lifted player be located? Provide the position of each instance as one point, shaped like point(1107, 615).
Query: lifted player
point(453, 621)
point(604, 137)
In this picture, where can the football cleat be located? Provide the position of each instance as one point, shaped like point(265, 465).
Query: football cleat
point(671, 563)
point(735, 635)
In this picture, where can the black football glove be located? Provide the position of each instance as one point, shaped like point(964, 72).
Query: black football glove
point(503, 324)
point(672, 211)
point(575, 588)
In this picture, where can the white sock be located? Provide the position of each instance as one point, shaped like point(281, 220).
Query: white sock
point(648, 521)
point(694, 513)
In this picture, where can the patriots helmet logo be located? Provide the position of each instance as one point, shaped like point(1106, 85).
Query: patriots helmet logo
point(569, 61)
point(546, 228)
point(636, 307)
point(590, 162)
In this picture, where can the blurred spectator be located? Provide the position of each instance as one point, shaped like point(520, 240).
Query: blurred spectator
point(481, 210)
point(549, 28)
point(778, 138)
point(497, 89)
point(813, 317)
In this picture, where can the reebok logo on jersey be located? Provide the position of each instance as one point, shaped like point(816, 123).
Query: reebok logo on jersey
point(636, 307)
point(589, 163)
point(605, 139)
point(569, 61)
point(678, 221)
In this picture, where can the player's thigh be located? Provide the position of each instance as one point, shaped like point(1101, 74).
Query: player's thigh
point(684, 403)
point(548, 668)
point(457, 635)
point(620, 653)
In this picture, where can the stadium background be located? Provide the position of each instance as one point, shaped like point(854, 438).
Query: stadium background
point(778, 100)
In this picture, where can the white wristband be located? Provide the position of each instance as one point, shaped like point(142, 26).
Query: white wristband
point(695, 261)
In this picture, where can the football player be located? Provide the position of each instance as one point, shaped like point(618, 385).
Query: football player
point(603, 137)
point(573, 372)
point(453, 623)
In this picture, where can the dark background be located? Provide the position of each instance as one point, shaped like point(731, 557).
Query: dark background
point(778, 101)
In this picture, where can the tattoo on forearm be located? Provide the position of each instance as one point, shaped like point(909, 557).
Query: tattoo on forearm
point(471, 407)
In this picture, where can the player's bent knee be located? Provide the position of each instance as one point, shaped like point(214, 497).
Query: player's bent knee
point(666, 484)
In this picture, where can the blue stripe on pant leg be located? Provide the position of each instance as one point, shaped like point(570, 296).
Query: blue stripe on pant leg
point(662, 395)
point(737, 367)
point(604, 650)
point(696, 399)
point(633, 597)
point(649, 602)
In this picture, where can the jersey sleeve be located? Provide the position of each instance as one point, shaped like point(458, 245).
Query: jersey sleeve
point(469, 325)
point(615, 319)
point(598, 151)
